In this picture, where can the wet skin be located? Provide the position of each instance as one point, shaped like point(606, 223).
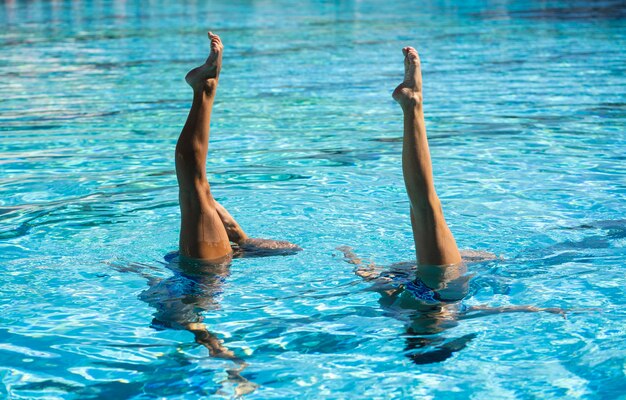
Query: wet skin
point(440, 266)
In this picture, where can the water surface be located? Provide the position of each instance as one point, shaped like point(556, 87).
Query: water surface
point(526, 114)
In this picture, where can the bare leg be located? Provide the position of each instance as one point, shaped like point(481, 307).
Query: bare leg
point(434, 242)
point(207, 228)
point(252, 247)
point(234, 231)
point(202, 234)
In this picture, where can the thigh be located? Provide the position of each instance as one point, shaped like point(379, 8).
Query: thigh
point(202, 234)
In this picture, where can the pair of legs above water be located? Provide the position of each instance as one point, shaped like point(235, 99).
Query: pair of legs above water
point(432, 290)
point(440, 277)
point(202, 233)
point(209, 233)
point(207, 229)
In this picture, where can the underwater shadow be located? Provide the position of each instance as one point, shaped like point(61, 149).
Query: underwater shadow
point(193, 289)
point(429, 304)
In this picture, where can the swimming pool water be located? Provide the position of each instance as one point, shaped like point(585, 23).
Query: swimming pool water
point(526, 112)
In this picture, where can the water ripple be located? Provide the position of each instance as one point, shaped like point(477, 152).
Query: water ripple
point(525, 110)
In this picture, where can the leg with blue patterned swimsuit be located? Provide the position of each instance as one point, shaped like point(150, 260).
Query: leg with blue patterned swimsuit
point(426, 295)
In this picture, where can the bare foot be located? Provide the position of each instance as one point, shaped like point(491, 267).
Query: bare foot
point(409, 92)
point(206, 75)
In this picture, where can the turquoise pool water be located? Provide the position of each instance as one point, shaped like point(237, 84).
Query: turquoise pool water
point(526, 114)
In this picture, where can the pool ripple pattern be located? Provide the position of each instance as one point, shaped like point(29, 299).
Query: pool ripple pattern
point(526, 114)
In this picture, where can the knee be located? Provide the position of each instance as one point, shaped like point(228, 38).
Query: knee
point(427, 205)
point(188, 151)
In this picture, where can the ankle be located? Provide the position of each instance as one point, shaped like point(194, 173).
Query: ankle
point(205, 88)
point(411, 103)
point(413, 113)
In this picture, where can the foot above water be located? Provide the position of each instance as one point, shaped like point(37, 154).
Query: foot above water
point(409, 92)
point(207, 73)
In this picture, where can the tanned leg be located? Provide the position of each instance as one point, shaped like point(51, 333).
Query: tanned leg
point(202, 233)
point(234, 231)
point(433, 240)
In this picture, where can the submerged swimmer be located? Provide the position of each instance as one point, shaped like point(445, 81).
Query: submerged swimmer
point(207, 229)
point(181, 301)
point(209, 236)
point(426, 296)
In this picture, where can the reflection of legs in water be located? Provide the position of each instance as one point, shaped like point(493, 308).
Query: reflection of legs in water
point(434, 242)
point(441, 349)
point(202, 233)
point(210, 341)
point(179, 301)
point(181, 309)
